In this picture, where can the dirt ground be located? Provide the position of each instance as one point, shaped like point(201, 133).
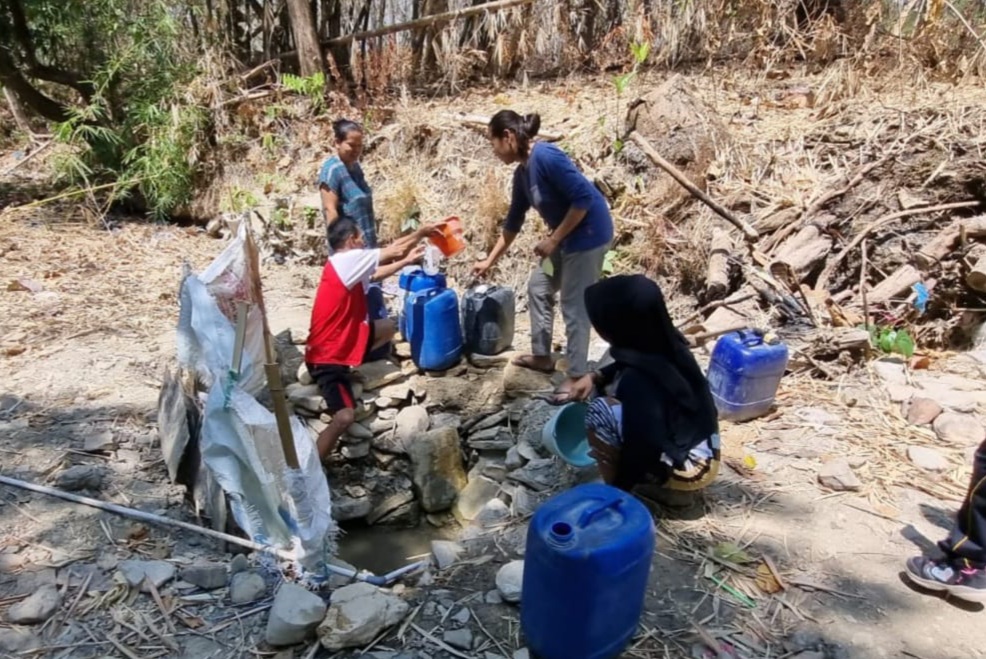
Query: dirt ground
point(87, 317)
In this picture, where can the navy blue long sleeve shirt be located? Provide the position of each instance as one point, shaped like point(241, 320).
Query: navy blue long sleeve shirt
point(551, 184)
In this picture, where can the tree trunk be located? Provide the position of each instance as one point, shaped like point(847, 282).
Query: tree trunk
point(12, 80)
point(305, 37)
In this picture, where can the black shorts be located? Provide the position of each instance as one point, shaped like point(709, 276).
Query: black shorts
point(335, 381)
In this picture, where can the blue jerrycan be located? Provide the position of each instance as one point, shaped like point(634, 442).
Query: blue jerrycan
point(411, 280)
point(744, 373)
point(586, 567)
point(433, 329)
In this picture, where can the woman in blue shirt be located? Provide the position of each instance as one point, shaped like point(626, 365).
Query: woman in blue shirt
point(346, 194)
point(342, 186)
point(580, 230)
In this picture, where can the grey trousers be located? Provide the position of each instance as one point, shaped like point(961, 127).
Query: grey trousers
point(573, 273)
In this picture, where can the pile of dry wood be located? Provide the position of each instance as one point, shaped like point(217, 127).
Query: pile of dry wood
point(798, 272)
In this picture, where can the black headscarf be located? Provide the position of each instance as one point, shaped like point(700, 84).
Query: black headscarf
point(667, 406)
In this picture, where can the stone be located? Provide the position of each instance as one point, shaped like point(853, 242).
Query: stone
point(493, 597)
point(389, 505)
point(458, 638)
point(527, 451)
point(523, 503)
point(80, 477)
point(446, 420)
point(378, 425)
point(99, 442)
point(494, 513)
point(31, 580)
point(536, 415)
point(522, 653)
point(494, 439)
point(474, 496)
point(408, 424)
point(348, 508)
point(399, 392)
point(384, 402)
point(247, 587)
point(157, 572)
point(519, 381)
point(540, 475)
point(445, 552)
point(355, 451)
point(304, 377)
point(376, 375)
point(899, 393)
point(960, 429)
point(437, 468)
point(468, 397)
point(462, 617)
point(17, 640)
point(921, 411)
point(510, 581)
point(514, 459)
point(491, 361)
point(240, 563)
point(207, 576)
point(890, 371)
point(359, 431)
point(838, 475)
point(294, 616)
point(37, 608)
point(357, 615)
point(491, 421)
point(927, 458)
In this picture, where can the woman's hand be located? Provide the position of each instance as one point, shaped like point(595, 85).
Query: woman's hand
point(546, 247)
point(427, 230)
point(582, 388)
point(414, 256)
point(480, 269)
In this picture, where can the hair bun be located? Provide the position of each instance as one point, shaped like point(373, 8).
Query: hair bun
point(532, 124)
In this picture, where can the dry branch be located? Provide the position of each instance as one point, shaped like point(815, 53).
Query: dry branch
point(804, 251)
point(427, 21)
point(748, 232)
point(945, 242)
point(823, 279)
point(899, 281)
point(483, 122)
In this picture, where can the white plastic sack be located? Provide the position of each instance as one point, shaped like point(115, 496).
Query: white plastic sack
point(274, 505)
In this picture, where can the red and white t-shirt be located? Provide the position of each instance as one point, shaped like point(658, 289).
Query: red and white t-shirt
point(339, 330)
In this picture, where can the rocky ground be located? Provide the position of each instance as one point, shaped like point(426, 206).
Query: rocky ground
point(796, 550)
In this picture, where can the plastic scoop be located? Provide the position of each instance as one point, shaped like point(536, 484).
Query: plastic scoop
point(450, 240)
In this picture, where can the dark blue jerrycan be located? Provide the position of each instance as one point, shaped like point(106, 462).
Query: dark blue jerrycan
point(412, 280)
point(433, 329)
point(586, 567)
point(744, 373)
point(488, 319)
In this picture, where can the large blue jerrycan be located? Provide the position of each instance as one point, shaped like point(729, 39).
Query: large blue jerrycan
point(744, 373)
point(488, 319)
point(433, 329)
point(412, 280)
point(586, 567)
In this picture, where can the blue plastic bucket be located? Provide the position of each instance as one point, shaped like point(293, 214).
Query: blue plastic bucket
point(565, 436)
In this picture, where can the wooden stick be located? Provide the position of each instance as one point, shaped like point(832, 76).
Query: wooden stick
point(862, 289)
point(823, 279)
point(748, 231)
point(483, 122)
point(712, 306)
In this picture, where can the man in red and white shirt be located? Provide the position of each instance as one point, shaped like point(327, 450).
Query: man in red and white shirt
point(340, 336)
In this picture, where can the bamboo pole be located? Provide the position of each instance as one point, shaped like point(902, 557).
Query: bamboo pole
point(273, 371)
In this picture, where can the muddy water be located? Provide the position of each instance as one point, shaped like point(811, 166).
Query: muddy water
point(381, 549)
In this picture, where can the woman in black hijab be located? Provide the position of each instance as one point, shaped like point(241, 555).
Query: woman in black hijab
point(660, 417)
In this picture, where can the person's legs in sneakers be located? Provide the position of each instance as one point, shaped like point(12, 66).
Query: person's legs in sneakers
point(960, 572)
